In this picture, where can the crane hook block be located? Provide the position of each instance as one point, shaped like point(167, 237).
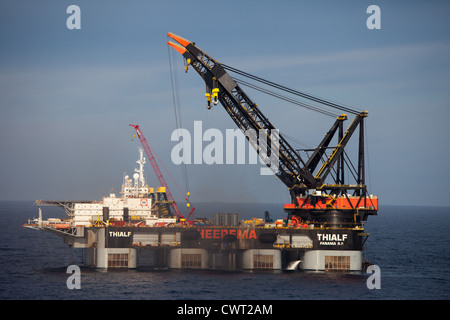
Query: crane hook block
point(215, 93)
point(208, 100)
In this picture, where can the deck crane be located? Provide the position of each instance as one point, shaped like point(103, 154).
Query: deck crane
point(161, 179)
point(312, 198)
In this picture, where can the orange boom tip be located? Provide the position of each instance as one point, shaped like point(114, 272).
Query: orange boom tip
point(184, 42)
point(177, 47)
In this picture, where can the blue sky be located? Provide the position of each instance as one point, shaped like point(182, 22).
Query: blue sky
point(67, 96)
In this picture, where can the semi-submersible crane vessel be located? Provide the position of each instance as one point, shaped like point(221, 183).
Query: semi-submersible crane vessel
point(323, 229)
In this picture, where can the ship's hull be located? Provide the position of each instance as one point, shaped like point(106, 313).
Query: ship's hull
point(222, 248)
point(144, 228)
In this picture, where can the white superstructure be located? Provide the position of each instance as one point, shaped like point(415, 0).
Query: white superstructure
point(137, 203)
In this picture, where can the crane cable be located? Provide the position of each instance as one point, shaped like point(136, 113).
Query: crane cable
point(177, 111)
point(286, 98)
point(292, 91)
point(300, 103)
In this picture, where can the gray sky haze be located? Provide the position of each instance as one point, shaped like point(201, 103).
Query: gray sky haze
point(68, 96)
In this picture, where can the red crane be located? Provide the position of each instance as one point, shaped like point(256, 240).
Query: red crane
point(160, 177)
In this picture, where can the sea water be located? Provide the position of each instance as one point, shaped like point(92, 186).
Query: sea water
point(410, 245)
